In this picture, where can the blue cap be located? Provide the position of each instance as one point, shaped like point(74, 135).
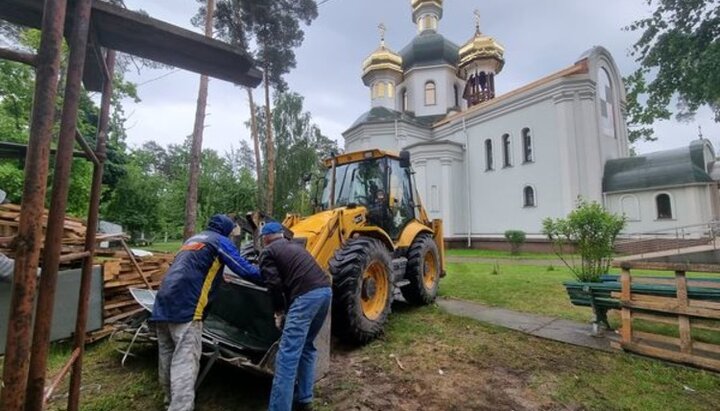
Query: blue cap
point(272, 227)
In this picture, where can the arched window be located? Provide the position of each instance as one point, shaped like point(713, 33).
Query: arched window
point(506, 150)
point(430, 99)
point(488, 155)
point(527, 146)
point(457, 96)
point(381, 89)
point(529, 199)
point(404, 98)
point(606, 100)
point(663, 204)
point(390, 90)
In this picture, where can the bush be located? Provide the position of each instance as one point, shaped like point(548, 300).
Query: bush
point(592, 230)
point(516, 238)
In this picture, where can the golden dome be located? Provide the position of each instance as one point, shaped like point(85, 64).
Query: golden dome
point(482, 47)
point(382, 59)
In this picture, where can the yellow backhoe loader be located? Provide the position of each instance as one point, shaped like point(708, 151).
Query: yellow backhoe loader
point(373, 236)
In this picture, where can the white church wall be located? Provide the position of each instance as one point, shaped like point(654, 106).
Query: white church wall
point(436, 166)
point(691, 205)
point(497, 195)
point(458, 201)
point(714, 196)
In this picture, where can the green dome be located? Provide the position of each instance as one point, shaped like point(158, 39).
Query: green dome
point(427, 49)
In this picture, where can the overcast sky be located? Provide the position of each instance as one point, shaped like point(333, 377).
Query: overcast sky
point(539, 36)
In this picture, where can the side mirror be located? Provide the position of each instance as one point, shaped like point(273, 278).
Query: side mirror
point(405, 159)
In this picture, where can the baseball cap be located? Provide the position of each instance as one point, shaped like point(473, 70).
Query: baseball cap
point(272, 227)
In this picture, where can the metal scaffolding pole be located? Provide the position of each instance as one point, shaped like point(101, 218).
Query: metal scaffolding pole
point(58, 206)
point(29, 237)
point(92, 224)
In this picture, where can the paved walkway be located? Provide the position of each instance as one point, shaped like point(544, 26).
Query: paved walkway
point(551, 328)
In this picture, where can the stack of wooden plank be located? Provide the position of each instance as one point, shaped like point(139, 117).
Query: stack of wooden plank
point(120, 275)
point(73, 235)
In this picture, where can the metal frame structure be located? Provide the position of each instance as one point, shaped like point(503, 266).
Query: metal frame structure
point(92, 26)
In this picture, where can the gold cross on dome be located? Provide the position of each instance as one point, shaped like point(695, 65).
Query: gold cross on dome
point(477, 19)
point(382, 29)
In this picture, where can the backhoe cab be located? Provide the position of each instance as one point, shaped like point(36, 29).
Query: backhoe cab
point(374, 237)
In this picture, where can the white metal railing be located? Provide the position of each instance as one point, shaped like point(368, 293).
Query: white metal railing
point(677, 239)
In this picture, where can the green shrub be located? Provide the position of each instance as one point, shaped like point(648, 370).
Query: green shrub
point(516, 238)
point(592, 230)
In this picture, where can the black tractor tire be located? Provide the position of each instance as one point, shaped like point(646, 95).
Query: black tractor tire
point(423, 255)
point(362, 290)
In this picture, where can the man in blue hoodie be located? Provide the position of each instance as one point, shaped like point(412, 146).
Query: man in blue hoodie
point(186, 290)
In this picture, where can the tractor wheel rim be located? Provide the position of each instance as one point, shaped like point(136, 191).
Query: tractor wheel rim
point(373, 304)
point(430, 272)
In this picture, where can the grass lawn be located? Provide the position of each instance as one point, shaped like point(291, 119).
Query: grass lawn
point(531, 289)
point(427, 360)
point(538, 289)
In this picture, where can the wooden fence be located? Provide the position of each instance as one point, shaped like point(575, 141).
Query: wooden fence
point(694, 307)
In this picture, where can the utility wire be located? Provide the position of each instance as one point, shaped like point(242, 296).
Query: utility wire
point(158, 77)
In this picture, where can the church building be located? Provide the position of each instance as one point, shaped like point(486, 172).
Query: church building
point(486, 163)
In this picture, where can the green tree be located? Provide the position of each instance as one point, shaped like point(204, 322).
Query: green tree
point(17, 82)
point(16, 91)
point(224, 186)
point(135, 203)
point(679, 55)
point(300, 146)
point(274, 27)
point(592, 231)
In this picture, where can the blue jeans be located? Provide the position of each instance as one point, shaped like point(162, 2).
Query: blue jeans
point(295, 361)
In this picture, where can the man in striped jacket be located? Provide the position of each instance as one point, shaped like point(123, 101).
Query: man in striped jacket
point(186, 290)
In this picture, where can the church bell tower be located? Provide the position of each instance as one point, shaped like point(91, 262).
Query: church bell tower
point(481, 59)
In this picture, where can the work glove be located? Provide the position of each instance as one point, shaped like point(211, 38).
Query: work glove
point(279, 320)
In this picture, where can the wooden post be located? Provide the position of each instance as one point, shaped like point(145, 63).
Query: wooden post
point(683, 320)
point(135, 264)
point(626, 312)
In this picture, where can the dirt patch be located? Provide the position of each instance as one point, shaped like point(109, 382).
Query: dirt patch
point(428, 377)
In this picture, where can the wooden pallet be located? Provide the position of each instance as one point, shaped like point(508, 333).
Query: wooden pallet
point(681, 311)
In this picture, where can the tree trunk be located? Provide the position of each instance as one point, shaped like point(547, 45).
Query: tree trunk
point(196, 150)
point(270, 149)
point(256, 145)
